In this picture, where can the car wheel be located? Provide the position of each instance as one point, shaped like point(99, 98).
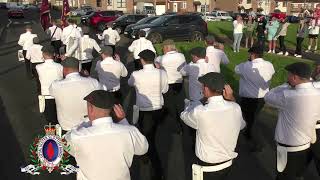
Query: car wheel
point(118, 29)
point(197, 36)
point(155, 38)
point(101, 26)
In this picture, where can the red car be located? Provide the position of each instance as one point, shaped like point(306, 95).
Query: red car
point(15, 12)
point(101, 18)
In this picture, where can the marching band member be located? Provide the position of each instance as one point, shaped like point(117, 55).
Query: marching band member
point(110, 36)
point(70, 38)
point(55, 33)
point(215, 56)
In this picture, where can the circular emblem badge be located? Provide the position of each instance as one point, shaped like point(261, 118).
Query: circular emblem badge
point(50, 151)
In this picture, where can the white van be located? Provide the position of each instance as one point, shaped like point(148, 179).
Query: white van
point(221, 15)
point(11, 5)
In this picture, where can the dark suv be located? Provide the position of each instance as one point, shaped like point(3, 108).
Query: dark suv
point(177, 27)
point(122, 22)
point(101, 18)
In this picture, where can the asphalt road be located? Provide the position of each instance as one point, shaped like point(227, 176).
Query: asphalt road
point(20, 120)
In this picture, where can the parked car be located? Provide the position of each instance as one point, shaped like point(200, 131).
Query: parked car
point(210, 17)
point(177, 27)
point(222, 15)
point(30, 7)
point(122, 22)
point(85, 19)
point(15, 13)
point(3, 5)
point(293, 19)
point(244, 16)
point(100, 18)
point(82, 11)
point(129, 29)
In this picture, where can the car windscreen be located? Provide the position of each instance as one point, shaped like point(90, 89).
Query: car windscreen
point(224, 14)
point(146, 20)
point(122, 17)
point(160, 20)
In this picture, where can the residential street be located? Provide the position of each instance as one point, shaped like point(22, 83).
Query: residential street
point(21, 122)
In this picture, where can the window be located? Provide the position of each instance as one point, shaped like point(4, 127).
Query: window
point(184, 5)
point(248, 1)
point(173, 20)
point(99, 4)
point(204, 8)
point(121, 3)
point(109, 2)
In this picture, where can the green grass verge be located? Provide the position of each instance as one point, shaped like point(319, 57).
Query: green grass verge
point(225, 30)
point(279, 62)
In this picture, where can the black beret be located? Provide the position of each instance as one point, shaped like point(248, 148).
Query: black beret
point(199, 52)
point(213, 80)
point(255, 50)
point(48, 49)
point(107, 50)
point(300, 69)
point(101, 99)
point(70, 62)
point(147, 55)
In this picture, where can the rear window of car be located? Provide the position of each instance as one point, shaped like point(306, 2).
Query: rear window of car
point(108, 13)
point(189, 19)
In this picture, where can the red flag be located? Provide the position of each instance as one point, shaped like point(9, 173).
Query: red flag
point(65, 13)
point(45, 14)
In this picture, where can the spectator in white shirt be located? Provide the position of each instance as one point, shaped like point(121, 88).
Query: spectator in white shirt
point(110, 71)
point(26, 41)
point(70, 38)
point(87, 45)
point(237, 33)
point(298, 103)
point(195, 69)
point(55, 34)
point(217, 124)
point(103, 146)
point(48, 72)
point(255, 76)
point(150, 84)
point(215, 56)
point(34, 55)
point(316, 73)
point(110, 36)
point(69, 94)
point(139, 45)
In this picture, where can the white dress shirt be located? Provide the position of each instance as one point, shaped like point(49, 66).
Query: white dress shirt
point(57, 33)
point(150, 84)
point(48, 72)
point(110, 37)
point(87, 45)
point(34, 53)
point(217, 125)
point(298, 112)
point(69, 31)
point(109, 72)
point(171, 62)
point(104, 150)
point(194, 71)
point(255, 76)
point(71, 37)
point(69, 94)
point(26, 40)
point(139, 45)
point(237, 27)
point(316, 84)
point(216, 57)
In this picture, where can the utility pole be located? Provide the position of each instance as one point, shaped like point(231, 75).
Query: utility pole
point(155, 7)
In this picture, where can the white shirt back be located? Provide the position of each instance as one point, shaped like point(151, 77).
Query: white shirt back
point(104, 150)
point(109, 72)
point(217, 125)
point(55, 32)
point(150, 84)
point(87, 45)
point(139, 45)
point(194, 71)
point(316, 84)
point(298, 112)
point(216, 57)
point(110, 37)
point(68, 33)
point(69, 94)
point(48, 72)
point(26, 40)
point(254, 77)
point(171, 62)
point(34, 53)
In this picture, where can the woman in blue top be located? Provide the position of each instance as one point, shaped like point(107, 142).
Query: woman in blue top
point(272, 28)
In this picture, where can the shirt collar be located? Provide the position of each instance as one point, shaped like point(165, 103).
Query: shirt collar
point(201, 61)
point(211, 47)
point(72, 75)
point(257, 60)
point(48, 60)
point(142, 38)
point(304, 85)
point(215, 99)
point(148, 66)
point(86, 36)
point(102, 120)
point(28, 32)
point(171, 52)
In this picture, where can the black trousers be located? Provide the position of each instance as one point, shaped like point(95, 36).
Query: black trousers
point(282, 45)
point(27, 64)
point(299, 45)
point(36, 76)
point(86, 66)
point(113, 48)
point(50, 112)
point(250, 108)
point(137, 64)
point(297, 163)
point(218, 175)
point(261, 42)
point(148, 124)
point(315, 149)
point(57, 45)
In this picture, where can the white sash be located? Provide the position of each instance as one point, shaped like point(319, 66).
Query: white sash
point(42, 103)
point(318, 126)
point(282, 153)
point(20, 55)
point(197, 170)
point(135, 114)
